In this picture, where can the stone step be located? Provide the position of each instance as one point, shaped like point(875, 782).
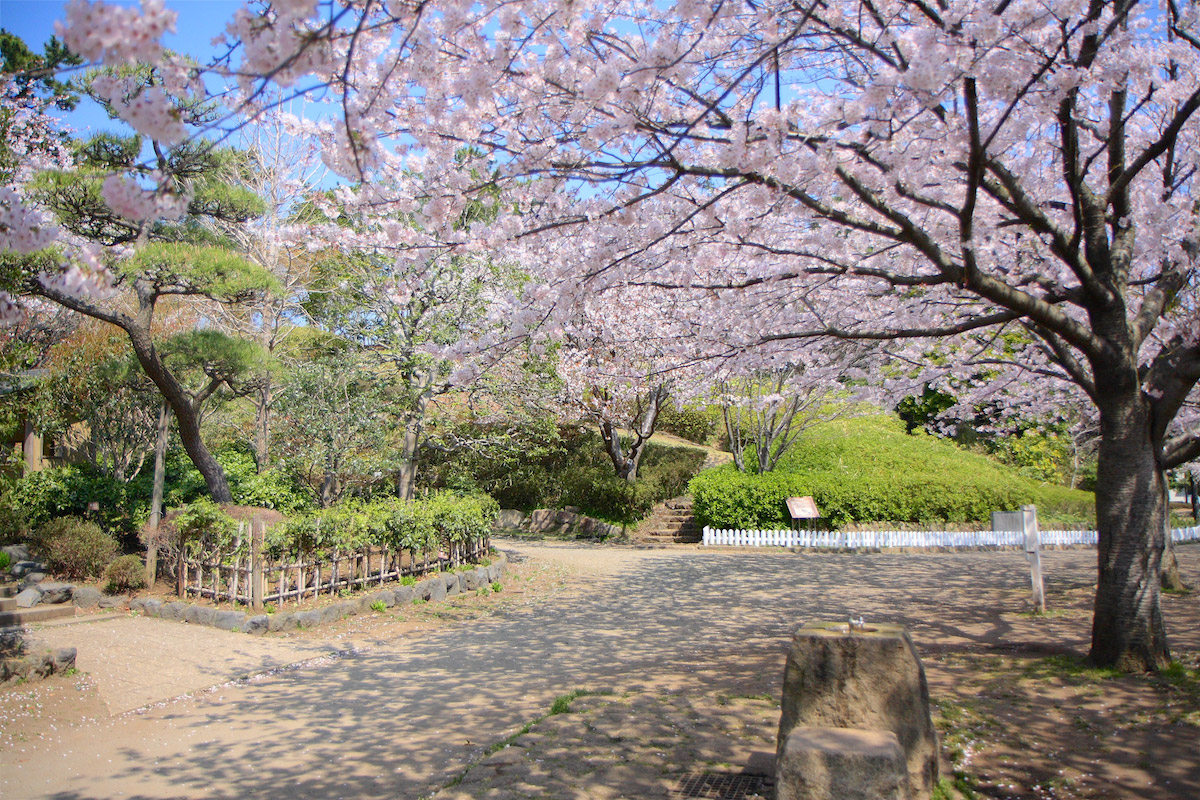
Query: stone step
point(9, 589)
point(8, 604)
point(28, 616)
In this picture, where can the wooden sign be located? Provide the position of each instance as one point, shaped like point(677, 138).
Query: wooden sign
point(803, 508)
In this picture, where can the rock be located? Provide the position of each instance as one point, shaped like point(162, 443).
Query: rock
point(35, 665)
point(31, 578)
point(282, 622)
point(403, 594)
point(509, 519)
point(87, 597)
point(63, 659)
point(152, 607)
point(17, 553)
point(55, 593)
point(493, 573)
point(200, 615)
point(138, 604)
point(229, 620)
point(387, 597)
point(474, 579)
point(112, 601)
point(841, 764)
point(307, 619)
point(332, 613)
point(28, 598)
point(25, 567)
point(454, 582)
point(258, 624)
point(174, 610)
point(437, 589)
point(870, 678)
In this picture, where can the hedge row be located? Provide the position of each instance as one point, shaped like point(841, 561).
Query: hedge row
point(870, 470)
point(436, 522)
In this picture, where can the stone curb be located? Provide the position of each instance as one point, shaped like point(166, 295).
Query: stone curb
point(433, 588)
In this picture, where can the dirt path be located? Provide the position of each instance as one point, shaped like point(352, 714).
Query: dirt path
point(408, 705)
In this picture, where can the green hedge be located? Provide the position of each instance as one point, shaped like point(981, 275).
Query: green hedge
point(870, 470)
point(432, 523)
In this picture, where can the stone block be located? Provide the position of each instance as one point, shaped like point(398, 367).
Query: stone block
point(332, 613)
point(308, 619)
point(841, 764)
point(387, 597)
point(475, 578)
point(86, 597)
point(403, 594)
point(112, 601)
point(173, 610)
point(867, 678)
point(258, 624)
point(454, 582)
point(151, 607)
point(282, 622)
point(200, 615)
point(28, 598)
point(229, 620)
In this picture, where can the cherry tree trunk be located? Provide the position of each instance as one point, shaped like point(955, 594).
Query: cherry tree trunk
point(406, 478)
point(1127, 626)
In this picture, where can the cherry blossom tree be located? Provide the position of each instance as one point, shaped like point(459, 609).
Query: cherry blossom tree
point(888, 171)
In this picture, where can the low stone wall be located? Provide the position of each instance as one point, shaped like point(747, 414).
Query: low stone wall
point(432, 589)
point(23, 659)
point(566, 523)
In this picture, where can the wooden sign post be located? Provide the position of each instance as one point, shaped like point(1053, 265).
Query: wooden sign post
point(1029, 526)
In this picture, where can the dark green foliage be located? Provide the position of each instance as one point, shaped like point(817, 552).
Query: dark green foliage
point(572, 470)
point(919, 411)
point(73, 548)
point(869, 470)
point(125, 574)
point(69, 491)
point(694, 424)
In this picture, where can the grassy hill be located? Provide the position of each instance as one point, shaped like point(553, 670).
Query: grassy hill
point(867, 469)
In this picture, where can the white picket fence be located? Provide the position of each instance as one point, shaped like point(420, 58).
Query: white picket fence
point(869, 540)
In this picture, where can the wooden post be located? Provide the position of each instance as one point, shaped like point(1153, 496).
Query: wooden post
point(1029, 527)
point(256, 564)
point(181, 567)
point(32, 449)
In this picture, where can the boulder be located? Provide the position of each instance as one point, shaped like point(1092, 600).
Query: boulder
point(174, 610)
point(63, 659)
point(509, 519)
point(229, 620)
point(200, 615)
point(865, 678)
point(25, 567)
point(474, 579)
point(332, 613)
point(308, 619)
point(55, 593)
point(17, 553)
point(387, 597)
point(841, 764)
point(437, 588)
point(454, 582)
point(282, 622)
point(28, 598)
point(151, 607)
point(30, 578)
point(403, 594)
point(112, 600)
point(258, 624)
point(86, 597)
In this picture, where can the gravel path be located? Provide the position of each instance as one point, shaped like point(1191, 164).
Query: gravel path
point(402, 717)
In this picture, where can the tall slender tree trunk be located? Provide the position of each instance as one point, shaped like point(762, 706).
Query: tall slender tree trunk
point(1127, 627)
point(1171, 579)
point(156, 492)
point(262, 425)
point(406, 478)
point(186, 415)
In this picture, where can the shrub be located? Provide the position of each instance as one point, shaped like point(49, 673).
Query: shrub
point(694, 424)
point(870, 470)
point(5, 562)
point(125, 574)
point(74, 548)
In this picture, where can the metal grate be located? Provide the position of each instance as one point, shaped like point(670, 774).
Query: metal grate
point(720, 786)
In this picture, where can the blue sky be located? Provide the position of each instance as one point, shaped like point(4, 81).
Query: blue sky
point(199, 21)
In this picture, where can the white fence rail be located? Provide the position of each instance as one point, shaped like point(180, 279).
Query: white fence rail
point(870, 540)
